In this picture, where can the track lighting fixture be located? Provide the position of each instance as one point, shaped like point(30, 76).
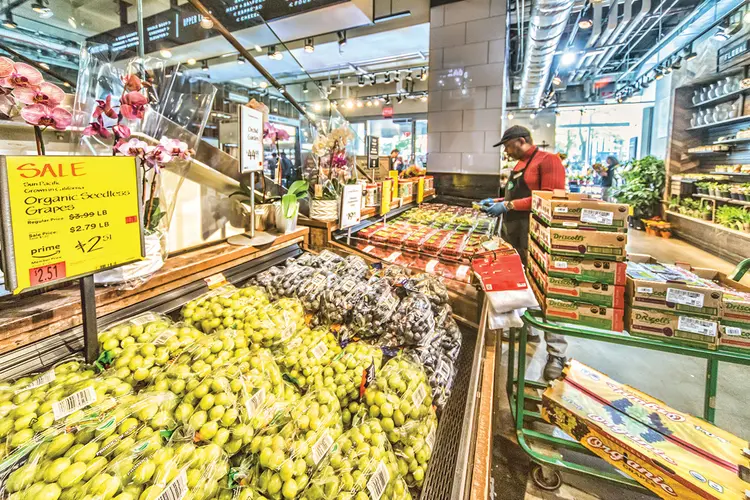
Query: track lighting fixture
point(8, 21)
point(309, 45)
point(585, 24)
point(274, 54)
point(304, 88)
point(240, 59)
point(342, 37)
point(361, 81)
point(204, 65)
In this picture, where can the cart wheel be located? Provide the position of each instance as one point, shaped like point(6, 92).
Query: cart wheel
point(546, 478)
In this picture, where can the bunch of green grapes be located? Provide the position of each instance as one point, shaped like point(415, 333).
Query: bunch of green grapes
point(226, 307)
point(304, 357)
point(289, 449)
point(360, 466)
point(399, 395)
point(275, 323)
point(414, 449)
point(348, 375)
point(142, 329)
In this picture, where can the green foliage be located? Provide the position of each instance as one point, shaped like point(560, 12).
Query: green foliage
point(732, 217)
point(290, 201)
point(156, 215)
point(643, 186)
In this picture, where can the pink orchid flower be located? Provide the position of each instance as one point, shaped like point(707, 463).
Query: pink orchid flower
point(23, 75)
point(133, 147)
point(97, 128)
point(175, 148)
point(132, 83)
point(44, 116)
point(271, 134)
point(6, 67)
point(122, 131)
point(133, 105)
point(157, 156)
point(104, 107)
point(46, 93)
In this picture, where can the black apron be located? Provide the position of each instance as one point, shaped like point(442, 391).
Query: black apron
point(516, 222)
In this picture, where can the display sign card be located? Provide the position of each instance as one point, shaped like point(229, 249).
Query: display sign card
point(420, 190)
point(393, 174)
point(351, 206)
point(385, 197)
point(373, 151)
point(500, 271)
point(67, 216)
point(251, 140)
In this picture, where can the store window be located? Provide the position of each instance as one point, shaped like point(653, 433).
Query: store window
point(394, 134)
point(420, 143)
point(359, 138)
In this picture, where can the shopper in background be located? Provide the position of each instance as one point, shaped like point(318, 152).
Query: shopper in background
point(272, 164)
point(608, 175)
point(286, 170)
point(536, 170)
point(395, 160)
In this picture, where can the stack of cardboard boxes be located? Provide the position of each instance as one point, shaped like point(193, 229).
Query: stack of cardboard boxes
point(576, 258)
point(695, 306)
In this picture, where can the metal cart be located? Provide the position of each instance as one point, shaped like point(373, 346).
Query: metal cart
point(546, 471)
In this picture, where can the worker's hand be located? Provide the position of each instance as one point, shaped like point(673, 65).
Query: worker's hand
point(487, 202)
point(497, 209)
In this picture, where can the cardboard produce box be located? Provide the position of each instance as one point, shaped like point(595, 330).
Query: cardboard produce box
point(693, 330)
point(589, 270)
point(575, 210)
point(734, 335)
point(567, 311)
point(600, 294)
point(735, 303)
point(579, 242)
point(675, 425)
point(668, 469)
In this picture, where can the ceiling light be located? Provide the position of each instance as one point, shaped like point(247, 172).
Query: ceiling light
point(274, 54)
point(556, 80)
point(387, 100)
point(66, 84)
point(532, 115)
point(510, 116)
point(689, 54)
point(317, 107)
point(258, 48)
point(721, 35)
point(658, 74)
point(275, 110)
point(397, 76)
point(585, 24)
point(8, 21)
point(342, 37)
point(191, 61)
point(338, 82)
point(207, 23)
point(309, 45)
point(387, 79)
point(464, 91)
point(334, 104)
point(549, 125)
point(568, 58)
point(263, 84)
point(373, 79)
point(41, 7)
point(304, 88)
point(424, 75)
point(360, 104)
point(677, 64)
point(423, 98)
point(399, 99)
point(361, 81)
point(349, 104)
point(667, 69)
point(240, 59)
point(368, 104)
point(72, 22)
point(165, 53)
point(44, 65)
point(204, 66)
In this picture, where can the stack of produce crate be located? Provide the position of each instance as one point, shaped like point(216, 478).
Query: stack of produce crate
point(576, 258)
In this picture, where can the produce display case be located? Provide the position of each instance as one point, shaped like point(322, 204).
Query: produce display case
point(450, 471)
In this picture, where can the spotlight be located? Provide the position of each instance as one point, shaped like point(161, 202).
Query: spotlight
point(334, 104)
point(317, 107)
point(360, 103)
point(721, 35)
point(240, 59)
point(338, 82)
point(423, 77)
point(464, 91)
point(349, 104)
point(368, 104)
point(677, 64)
point(204, 66)
point(423, 98)
point(397, 76)
point(532, 115)
point(549, 125)
point(387, 100)
point(8, 21)
point(667, 69)
point(399, 99)
point(191, 61)
point(274, 54)
point(556, 80)
point(207, 23)
point(304, 88)
point(275, 110)
point(409, 77)
point(72, 22)
point(585, 24)
point(342, 37)
point(510, 116)
point(387, 79)
point(263, 84)
point(66, 84)
point(658, 74)
point(41, 7)
point(361, 81)
point(165, 53)
point(568, 58)
point(689, 54)
point(373, 79)
point(44, 65)
point(645, 83)
point(258, 48)
point(309, 45)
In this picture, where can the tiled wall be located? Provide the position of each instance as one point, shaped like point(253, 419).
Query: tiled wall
point(467, 78)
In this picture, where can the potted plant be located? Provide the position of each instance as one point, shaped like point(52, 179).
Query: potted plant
point(706, 212)
point(724, 191)
point(642, 187)
point(332, 172)
point(287, 209)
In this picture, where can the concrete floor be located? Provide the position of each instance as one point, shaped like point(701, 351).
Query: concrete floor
point(677, 380)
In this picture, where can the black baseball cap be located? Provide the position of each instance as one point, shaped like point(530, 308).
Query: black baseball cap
point(514, 132)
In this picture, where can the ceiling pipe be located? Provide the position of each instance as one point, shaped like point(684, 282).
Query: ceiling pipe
point(622, 25)
point(595, 34)
point(604, 59)
point(546, 26)
point(587, 60)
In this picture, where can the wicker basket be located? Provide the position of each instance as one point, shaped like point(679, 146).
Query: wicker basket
point(327, 210)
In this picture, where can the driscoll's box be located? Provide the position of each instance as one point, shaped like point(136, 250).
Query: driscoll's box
point(679, 327)
point(734, 335)
point(573, 210)
point(678, 427)
point(661, 465)
point(589, 270)
point(567, 311)
point(579, 242)
point(600, 294)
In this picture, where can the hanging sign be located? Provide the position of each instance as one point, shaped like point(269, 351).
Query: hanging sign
point(64, 217)
point(420, 190)
point(373, 151)
point(393, 174)
point(351, 206)
point(251, 140)
point(732, 55)
point(387, 111)
point(385, 197)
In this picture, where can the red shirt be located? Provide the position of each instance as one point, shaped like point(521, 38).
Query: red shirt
point(546, 173)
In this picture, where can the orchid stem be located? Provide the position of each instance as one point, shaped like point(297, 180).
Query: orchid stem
point(39, 140)
point(151, 199)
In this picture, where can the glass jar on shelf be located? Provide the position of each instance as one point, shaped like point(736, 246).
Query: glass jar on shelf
point(720, 113)
point(736, 108)
point(711, 91)
point(709, 117)
point(694, 120)
point(696, 96)
point(701, 119)
point(704, 94)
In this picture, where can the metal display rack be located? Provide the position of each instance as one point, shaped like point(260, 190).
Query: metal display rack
point(546, 473)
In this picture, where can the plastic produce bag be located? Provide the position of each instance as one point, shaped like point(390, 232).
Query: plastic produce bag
point(288, 450)
point(310, 290)
point(266, 279)
point(450, 337)
point(414, 449)
point(413, 320)
point(338, 300)
point(396, 275)
point(440, 370)
point(361, 465)
point(225, 307)
point(372, 314)
point(399, 395)
point(430, 286)
point(288, 283)
point(353, 266)
point(141, 329)
point(328, 260)
point(275, 323)
point(304, 357)
point(349, 374)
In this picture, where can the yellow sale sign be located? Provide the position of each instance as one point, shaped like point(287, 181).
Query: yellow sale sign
point(420, 190)
point(68, 216)
point(385, 198)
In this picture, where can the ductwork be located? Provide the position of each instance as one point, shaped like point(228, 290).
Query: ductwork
point(546, 26)
point(603, 59)
point(586, 61)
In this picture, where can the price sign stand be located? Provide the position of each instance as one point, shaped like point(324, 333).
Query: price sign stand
point(64, 218)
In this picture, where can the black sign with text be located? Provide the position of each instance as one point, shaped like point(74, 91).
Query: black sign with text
point(731, 55)
point(373, 151)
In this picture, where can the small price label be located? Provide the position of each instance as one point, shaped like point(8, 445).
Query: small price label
point(215, 281)
point(685, 297)
point(462, 272)
point(561, 210)
point(45, 274)
point(695, 325)
point(392, 257)
point(600, 217)
point(560, 264)
point(431, 265)
point(644, 289)
point(368, 248)
point(733, 331)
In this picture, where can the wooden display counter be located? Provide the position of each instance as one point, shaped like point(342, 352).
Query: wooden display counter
point(27, 319)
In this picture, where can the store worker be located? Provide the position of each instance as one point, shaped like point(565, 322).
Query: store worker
point(608, 175)
point(536, 170)
point(395, 160)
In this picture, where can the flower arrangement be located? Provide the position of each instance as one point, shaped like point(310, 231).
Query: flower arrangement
point(110, 122)
point(23, 90)
point(330, 151)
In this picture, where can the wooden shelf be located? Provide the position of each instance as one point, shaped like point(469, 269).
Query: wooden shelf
point(726, 200)
point(739, 119)
point(716, 100)
point(709, 153)
point(711, 224)
point(731, 174)
point(733, 141)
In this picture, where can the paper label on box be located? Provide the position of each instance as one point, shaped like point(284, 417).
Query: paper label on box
point(431, 265)
point(685, 297)
point(733, 331)
point(695, 325)
point(73, 403)
point(392, 257)
point(600, 217)
point(570, 224)
point(644, 289)
point(462, 272)
point(368, 248)
point(561, 210)
point(560, 264)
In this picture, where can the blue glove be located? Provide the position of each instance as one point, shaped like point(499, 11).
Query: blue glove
point(497, 209)
point(487, 202)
